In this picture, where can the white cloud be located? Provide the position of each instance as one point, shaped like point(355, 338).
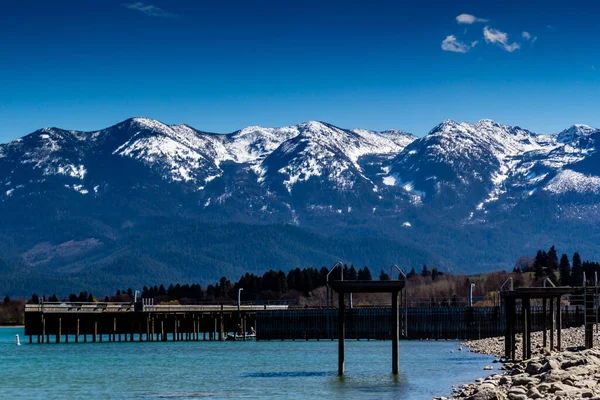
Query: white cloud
point(527, 36)
point(456, 46)
point(500, 38)
point(149, 10)
point(469, 19)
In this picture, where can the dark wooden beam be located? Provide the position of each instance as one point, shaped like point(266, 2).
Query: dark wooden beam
point(341, 333)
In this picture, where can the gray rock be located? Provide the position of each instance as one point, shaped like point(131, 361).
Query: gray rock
point(534, 393)
point(533, 368)
point(517, 390)
point(487, 395)
point(524, 380)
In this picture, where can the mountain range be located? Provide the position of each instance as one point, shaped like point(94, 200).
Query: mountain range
point(145, 202)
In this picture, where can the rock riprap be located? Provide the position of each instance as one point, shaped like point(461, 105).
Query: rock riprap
point(567, 375)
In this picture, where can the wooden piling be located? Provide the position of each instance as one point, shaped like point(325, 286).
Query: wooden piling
point(395, 333)
point(58, 333)
point(552, 323)
point(544, 322)
point(559, 324)
point(341, 333)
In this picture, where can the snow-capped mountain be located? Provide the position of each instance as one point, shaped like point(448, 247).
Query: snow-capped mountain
point(328, 154)
point(575, 132)
point(475, 164)
point(472, 160)
point(460, 177)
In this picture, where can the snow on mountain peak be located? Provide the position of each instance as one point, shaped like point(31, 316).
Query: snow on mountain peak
point(574, 132)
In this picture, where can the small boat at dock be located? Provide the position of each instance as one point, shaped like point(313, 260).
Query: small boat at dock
point(249, 336)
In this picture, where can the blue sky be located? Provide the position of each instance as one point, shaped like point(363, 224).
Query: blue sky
point(220, 66)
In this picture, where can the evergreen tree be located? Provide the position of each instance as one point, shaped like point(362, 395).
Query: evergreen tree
point(6, 299)
point(552, 260)
point(540, 264)
point(352, 275)
point(35, 299)
point(383, 276)
point(435, 273)
point(364, 274)
point(576, 271)
point(564, 269)
point(411, 273)
point(346, 272)
point(425, 272)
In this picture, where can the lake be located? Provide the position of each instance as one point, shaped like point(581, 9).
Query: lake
point(247, 370)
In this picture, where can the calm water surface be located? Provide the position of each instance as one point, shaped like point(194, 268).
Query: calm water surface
point(192, 370)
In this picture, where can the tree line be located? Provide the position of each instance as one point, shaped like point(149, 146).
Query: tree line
point(564, 271)
point(272, 285)
point(296, 283)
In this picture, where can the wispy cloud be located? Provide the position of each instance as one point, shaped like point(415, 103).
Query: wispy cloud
point(528, 36)
point(149, 10)
point(500, 38)
point(469, 19)
point(454, 45)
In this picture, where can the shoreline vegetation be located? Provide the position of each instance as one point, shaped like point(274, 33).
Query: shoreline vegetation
point(426, 286)
point(566, 375)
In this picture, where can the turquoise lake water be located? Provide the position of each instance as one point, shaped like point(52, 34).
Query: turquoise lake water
point(234, 370)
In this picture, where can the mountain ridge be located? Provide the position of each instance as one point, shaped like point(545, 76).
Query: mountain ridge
point(457, 190)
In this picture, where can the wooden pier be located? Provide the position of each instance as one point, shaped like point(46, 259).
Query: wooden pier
point(127, 322)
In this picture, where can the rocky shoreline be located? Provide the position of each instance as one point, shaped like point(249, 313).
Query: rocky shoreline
point(567, 375)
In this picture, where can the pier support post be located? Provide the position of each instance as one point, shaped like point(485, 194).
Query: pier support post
point(77, 333)
point(59, 332)
point(175, 328)
point(508, 328)
point(341, 333)
point(221, 338)
point(545, 322)
point(526, 328)
point(552, 324)
point(395, 332)
point(244, 327)
point(558, 323)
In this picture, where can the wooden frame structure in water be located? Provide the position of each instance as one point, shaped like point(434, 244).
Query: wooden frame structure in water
point(392, 286)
